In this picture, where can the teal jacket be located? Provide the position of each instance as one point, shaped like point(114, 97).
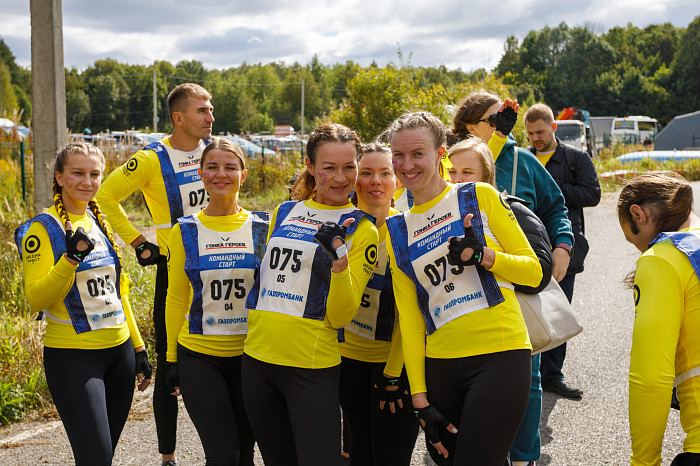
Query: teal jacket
point(535, 185)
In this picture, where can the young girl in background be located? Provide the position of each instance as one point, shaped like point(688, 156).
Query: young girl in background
point(73, 275)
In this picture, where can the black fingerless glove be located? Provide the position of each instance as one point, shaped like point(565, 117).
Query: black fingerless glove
point(433, 422)
point(390, 396)
point(326, 235)
point(72, 242)
point(459, 243)
point(505, 120)
point(172, 376)
point(143, 365)
point(152, 258)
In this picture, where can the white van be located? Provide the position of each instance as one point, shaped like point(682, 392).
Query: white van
point(634, 129)
point(572, 132)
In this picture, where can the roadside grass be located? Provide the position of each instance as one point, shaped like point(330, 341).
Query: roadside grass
point(22, 383)
point(612, 173)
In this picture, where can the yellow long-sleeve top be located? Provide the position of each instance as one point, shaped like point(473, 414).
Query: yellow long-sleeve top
point(288, 340)
point(364, 349)
point(46, 285)
point(143, 171)
point(489, 330)
point(179, 300)
point(665, 344)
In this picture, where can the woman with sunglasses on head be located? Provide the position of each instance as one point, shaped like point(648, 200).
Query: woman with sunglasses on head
point(214, 257)
point(373, 386)
point(73, 274)
point(453, 257)
point(656, 215)
point(321, 252)
point(520, 174)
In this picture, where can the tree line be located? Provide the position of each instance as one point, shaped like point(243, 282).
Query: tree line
point(624, 71)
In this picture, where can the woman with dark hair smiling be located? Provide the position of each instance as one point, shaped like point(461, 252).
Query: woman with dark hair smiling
point(321, 253)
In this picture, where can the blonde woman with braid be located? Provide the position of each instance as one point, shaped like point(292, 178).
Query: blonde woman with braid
point(72, 274)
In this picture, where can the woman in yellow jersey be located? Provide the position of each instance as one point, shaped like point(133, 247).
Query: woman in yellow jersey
point(376, 406)
point(304, 292)
point(465, 343)
point(73, 275)
point(214, 256)
point(656, 215)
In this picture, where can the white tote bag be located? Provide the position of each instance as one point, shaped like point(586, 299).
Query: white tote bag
point(549, 317)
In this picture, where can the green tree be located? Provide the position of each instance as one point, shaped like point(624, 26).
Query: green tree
point(8, 99)
point(376, 97)
point(686, 69)
point(77, 110)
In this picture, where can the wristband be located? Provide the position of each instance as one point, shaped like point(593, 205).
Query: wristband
point(342, 251)
point(565, 247)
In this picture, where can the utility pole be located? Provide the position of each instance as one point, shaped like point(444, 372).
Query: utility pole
point(48, 95)
point(155, 101)
point(302, 109)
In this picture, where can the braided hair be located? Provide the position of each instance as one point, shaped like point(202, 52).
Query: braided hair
point(66, 151)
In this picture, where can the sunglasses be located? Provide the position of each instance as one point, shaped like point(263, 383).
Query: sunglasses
point(491, 119)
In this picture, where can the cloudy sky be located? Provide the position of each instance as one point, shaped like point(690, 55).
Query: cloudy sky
point(455, 33)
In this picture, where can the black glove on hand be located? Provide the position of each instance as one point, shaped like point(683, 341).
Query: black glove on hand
point(459, 243)
point(172, 376)
point(326, 235)
point(72, 242)
point(143, 365)
point(390, 396)
point(152, 258)
point(434, 422)
point(505, 120)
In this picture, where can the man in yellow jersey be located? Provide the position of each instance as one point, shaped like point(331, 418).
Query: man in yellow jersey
point(574, 173)
point(166, 173)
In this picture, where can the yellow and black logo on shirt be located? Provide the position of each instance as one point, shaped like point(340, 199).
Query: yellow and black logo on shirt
point(371, 253)
point(32, 244)
point(132, 164)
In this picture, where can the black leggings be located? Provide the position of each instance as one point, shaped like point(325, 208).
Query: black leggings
point(485, 397)
point(294, 412)
point(92, 391)
point(164, 404)
point(377, 437)
point(211, 389)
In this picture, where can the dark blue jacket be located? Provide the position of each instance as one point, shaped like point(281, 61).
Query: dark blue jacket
point(535, 185)
point(575, 174)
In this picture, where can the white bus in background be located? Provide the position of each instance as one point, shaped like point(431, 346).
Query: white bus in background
point(634, 129)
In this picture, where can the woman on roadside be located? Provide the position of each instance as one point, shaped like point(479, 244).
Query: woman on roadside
point(373, 385)
point(214, 256)
point(452, 258)
point(73, 275)
point(656, 215)
point(520, 174)
point(321, 252)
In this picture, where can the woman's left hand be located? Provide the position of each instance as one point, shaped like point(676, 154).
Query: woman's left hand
point(391, 391)
point(144, 369)
point(506, 117)
point(468, 250)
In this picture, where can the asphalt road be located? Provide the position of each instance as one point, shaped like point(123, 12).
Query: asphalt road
point(589, 431)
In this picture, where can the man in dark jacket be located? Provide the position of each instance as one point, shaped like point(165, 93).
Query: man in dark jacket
point(574, 173)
